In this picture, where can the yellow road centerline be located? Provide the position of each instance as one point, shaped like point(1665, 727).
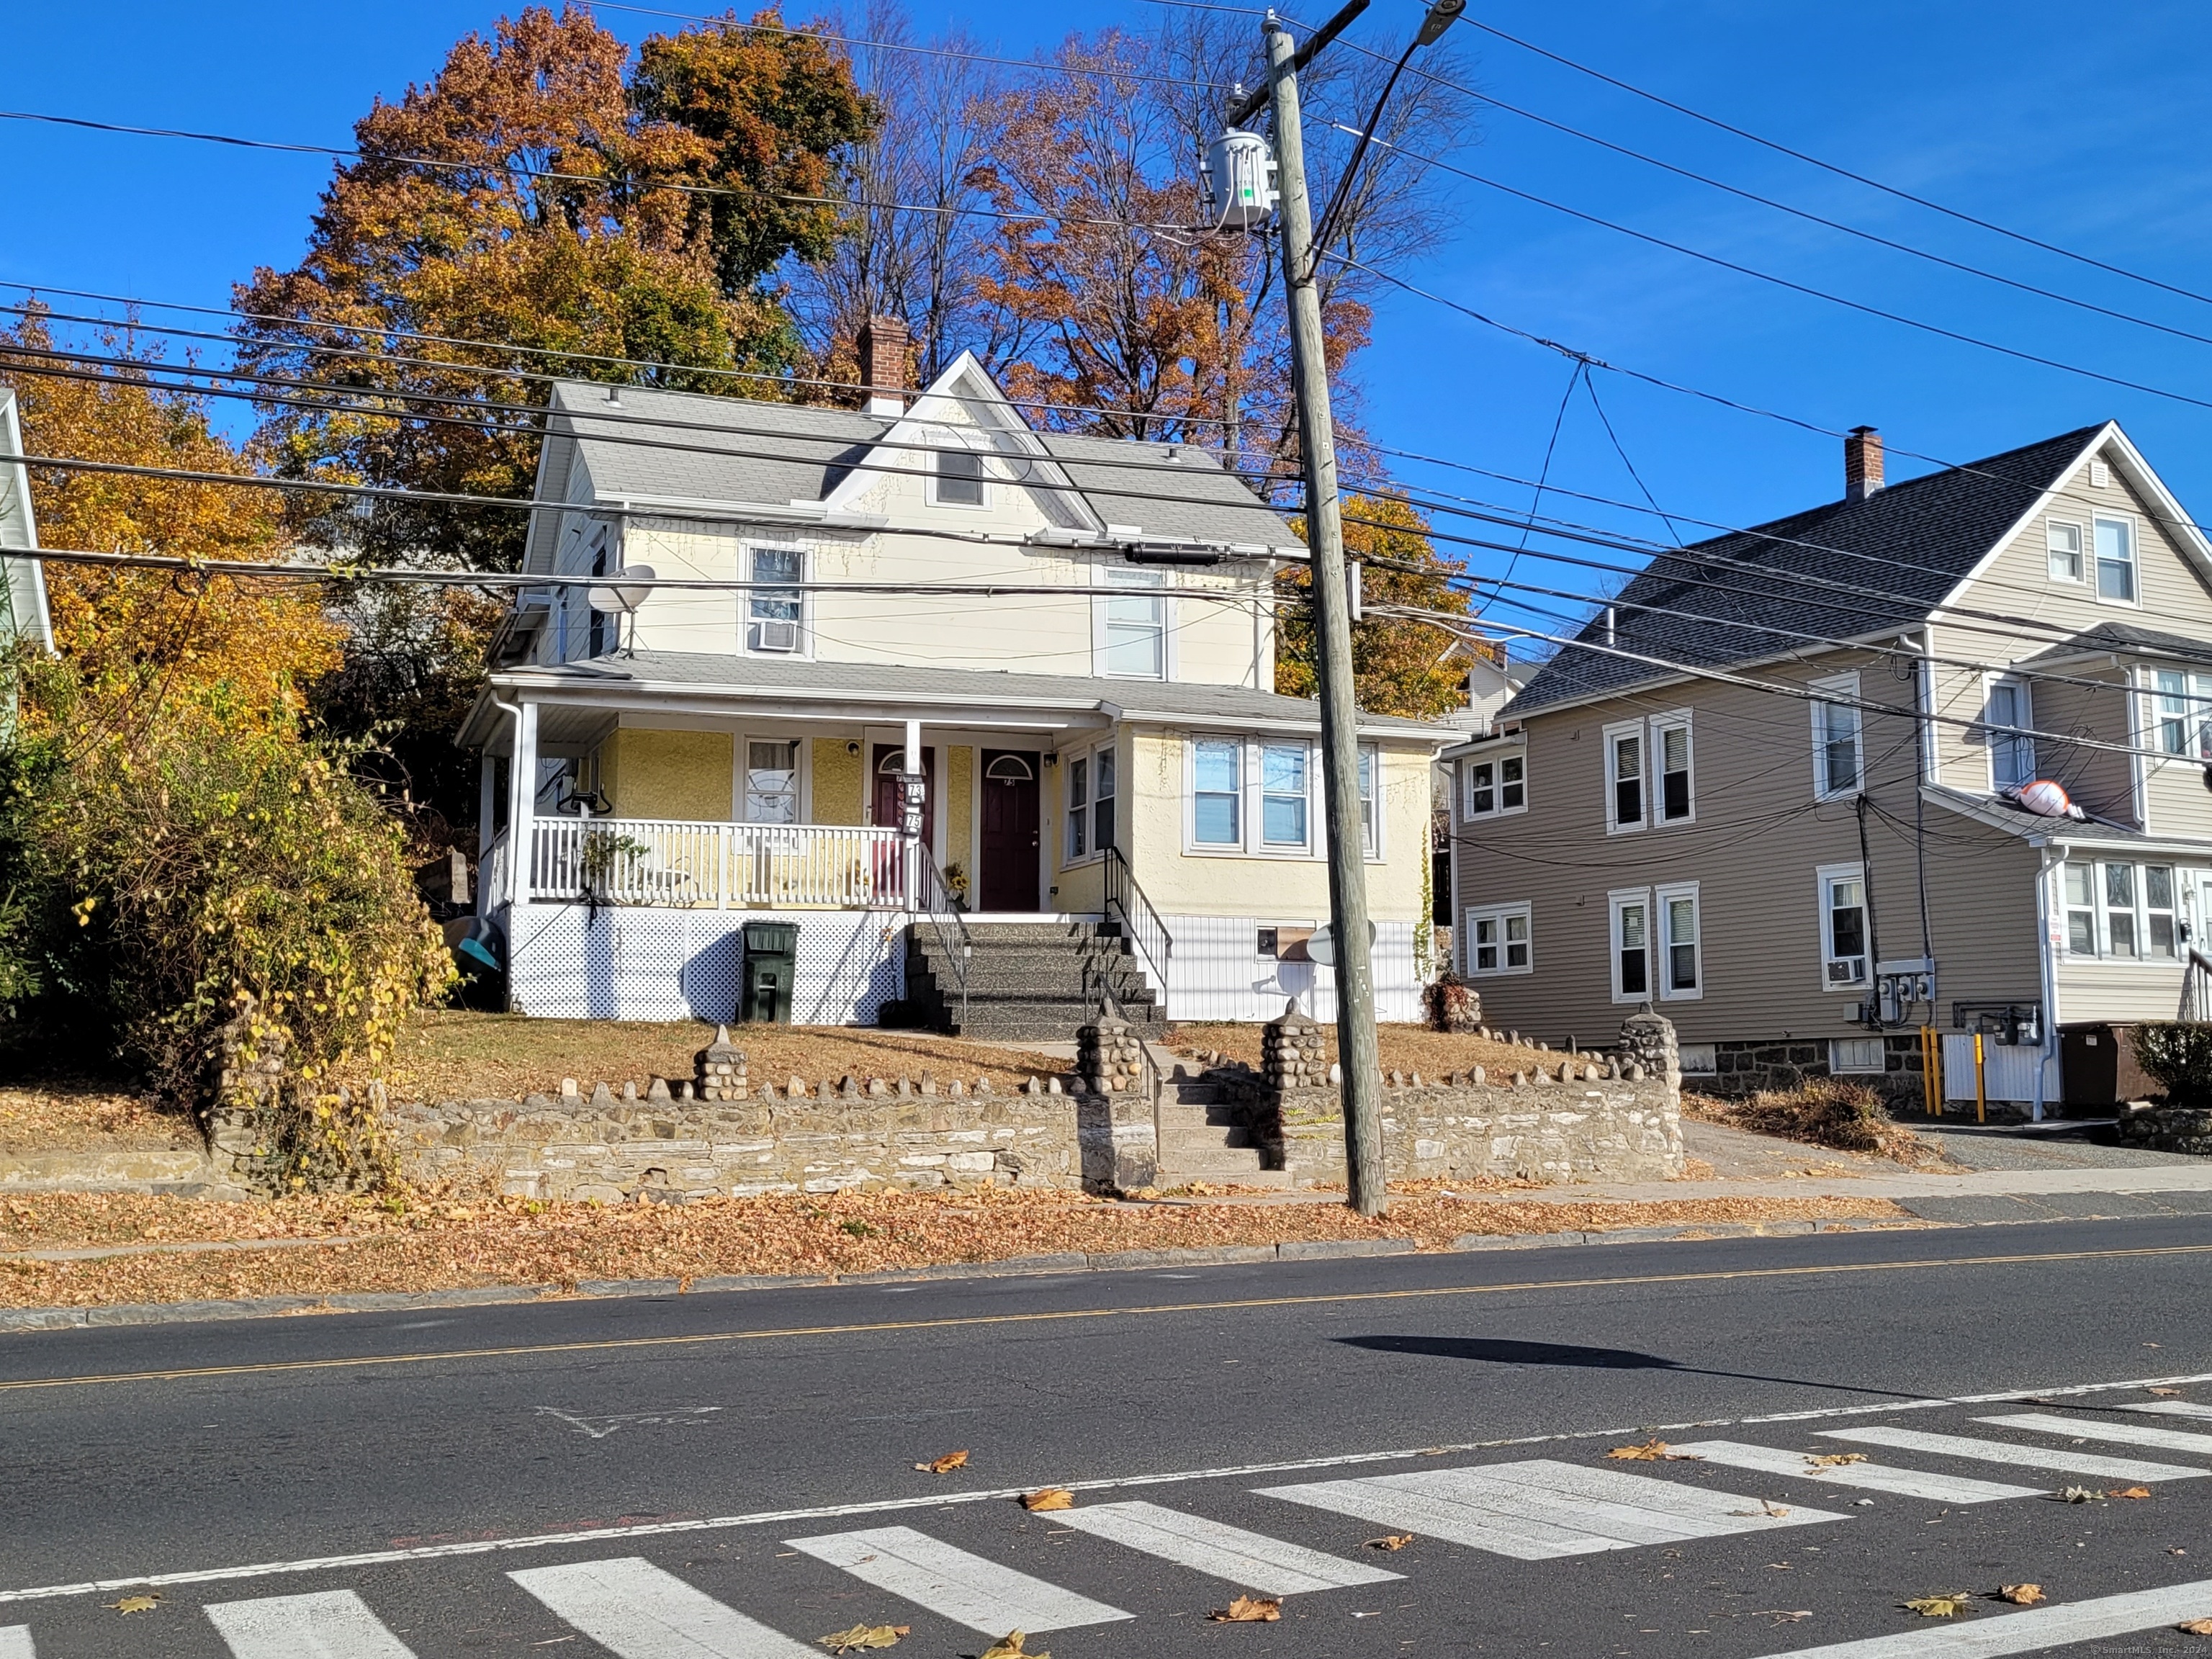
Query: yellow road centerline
point(700, 1339)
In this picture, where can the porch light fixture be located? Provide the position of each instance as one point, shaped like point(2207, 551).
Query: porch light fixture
point(1051, 757)
point(851, 745)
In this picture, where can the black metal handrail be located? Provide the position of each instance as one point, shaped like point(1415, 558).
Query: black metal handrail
point(1125, 901)
point(934, 902)
point(2195, 978)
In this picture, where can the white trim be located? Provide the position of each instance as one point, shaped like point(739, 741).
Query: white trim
point(1662, 898)
point(1992, 735)
point(1882, 1057)
point(1616, 950)
point(748, 548)
point(2133, 523)
point(1503, 914)
point(802, 781)
point(1463, 794)
point(1610, 740)
point(1655, 805)
point(1138, 581)
point(946, 439)
point(1822, 877)
point(1846, 686)
point(2082, 556)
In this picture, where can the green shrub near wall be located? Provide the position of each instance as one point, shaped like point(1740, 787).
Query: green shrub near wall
point(2177, 1055)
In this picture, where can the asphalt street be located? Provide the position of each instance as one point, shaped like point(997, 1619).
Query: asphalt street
point(731, 1476)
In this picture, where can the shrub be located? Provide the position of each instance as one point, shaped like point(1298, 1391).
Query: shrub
point(1825, 1111)
point(2177, 1055)
point(206, 857)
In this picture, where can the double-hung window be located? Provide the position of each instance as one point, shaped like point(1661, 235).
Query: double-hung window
point(1498, 939)
point(1282, 796)
point(1624, 771)
point(1079, 808)
point(1843, 959)
point(1497, 786)
point(1648, 772)
point(2185, 714)
point(959, 477)
point(1369, 761)
point(1631, 927)
point(2123, 912)
point(771, 781)
point(2008, 722)
point(1670, 747)
point(1134, 625)
point(1836, 753)
point(1218, 792)
point(1090, 804)
point(1681, 945)
point(2063, 541)
point(775, 616)
point(2115, 541)
point(2161, 913)
point(2081, 885)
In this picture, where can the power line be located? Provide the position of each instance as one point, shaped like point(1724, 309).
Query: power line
point(1842, 171)
point(1860, 306)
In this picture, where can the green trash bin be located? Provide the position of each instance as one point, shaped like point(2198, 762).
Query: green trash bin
point(770, 973)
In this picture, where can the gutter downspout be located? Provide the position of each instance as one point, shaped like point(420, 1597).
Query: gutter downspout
point(2047, 962)
point(518, 806)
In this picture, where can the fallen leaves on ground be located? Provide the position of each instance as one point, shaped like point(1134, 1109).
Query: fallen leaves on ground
point(946, 1464)
point(1653, 1450)
point(1772, 1510)
point(2130, 1491)
point(1050, 1497)
point(1391, 1540)
point(2020, 1595)
point(1940, 1607)
point(2165, 1393)
point(861, 1638)
point(2196, 1627)
point(1249, 1610)
point(1012, 1648)
point(137, 1603)
point(1833, 1459)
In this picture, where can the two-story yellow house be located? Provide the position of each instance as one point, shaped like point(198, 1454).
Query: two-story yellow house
point(1075, 635)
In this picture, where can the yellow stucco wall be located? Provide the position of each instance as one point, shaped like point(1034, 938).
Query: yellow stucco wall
point(960, 809)
point(837, 798)
point(1227, 884)
point(668, 775)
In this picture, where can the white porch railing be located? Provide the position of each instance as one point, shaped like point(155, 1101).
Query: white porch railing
point(679, 864)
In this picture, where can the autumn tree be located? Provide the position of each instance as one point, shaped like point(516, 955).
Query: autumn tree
point(1398, 664)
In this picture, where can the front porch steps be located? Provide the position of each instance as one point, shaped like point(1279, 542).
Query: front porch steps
point(1201, 1140)
point(1028, 981)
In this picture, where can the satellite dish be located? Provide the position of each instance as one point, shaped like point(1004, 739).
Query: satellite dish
point(626, 593)
point(1321, 947)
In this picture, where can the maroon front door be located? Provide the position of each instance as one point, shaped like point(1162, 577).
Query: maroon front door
point(887, 813)
point(1009, 876)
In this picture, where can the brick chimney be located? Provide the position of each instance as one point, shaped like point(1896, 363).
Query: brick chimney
point(1861, 463)
point(884, 347)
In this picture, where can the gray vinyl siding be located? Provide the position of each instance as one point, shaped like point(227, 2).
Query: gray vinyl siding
point(2102, 782)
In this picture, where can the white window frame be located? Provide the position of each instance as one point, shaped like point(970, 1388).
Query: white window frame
point(2082, 553)
point(1497, 785)
point(1655, 752)
point(1613, 735)
point(1138, 580)
point(1255, 751)
point(1083, 821)
point(747, 622)
point(1504, 915)
point(1371, 797)
point(942, 441)
point(1663, 900)
point(1192, 845)
point(1995, 737)
point(2181, 699)
point(1823, 880)
point(2071, 909)
point(1837, 1068)
point(801, 764)
point(1823, 785)
point(2095, 564)
point(1615, 902)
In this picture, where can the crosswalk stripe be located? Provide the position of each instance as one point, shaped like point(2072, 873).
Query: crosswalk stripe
point(2027, 1457)
point(964, 1587)
point(2171, 1408)
point(327, 1624)
point(636, 1611)
point(2029, 1631)
point(2128, 1434)
point(1540, 1509)
point(1250, 1559)
point(16, 1642)
point(1874, 1477)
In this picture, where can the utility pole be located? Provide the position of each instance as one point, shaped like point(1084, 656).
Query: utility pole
point(1359, 1052)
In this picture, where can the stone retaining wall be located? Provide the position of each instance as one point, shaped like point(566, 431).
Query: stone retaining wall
point(2168, 1129)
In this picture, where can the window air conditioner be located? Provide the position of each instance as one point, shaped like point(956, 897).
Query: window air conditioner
point(775, 637)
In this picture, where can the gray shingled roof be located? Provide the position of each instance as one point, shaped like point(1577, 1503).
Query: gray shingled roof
point(2125, 637)
point(1911, 543)
point(899, 686)
point(736, 449)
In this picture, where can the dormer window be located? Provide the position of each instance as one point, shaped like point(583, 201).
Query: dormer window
point(959, 479)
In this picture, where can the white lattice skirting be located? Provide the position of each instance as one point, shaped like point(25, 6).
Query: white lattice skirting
point(636, 964)
point(1215, 973)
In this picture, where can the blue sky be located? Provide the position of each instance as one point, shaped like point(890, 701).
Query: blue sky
point(2082, 128)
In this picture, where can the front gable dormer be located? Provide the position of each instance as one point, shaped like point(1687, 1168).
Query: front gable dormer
point(963, 413)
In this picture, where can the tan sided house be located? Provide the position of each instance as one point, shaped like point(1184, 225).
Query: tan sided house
point(1805, 882)
point(1109, 791)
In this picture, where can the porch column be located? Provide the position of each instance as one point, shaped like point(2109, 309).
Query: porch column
point(911, 787)
point(522, 801)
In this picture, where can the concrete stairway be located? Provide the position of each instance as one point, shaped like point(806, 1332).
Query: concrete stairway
point(1033, 981)
point(1201, 1140)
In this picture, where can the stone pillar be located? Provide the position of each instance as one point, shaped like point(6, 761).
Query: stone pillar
point(721, 1072)
point(1291, 1052)
point(1647, 1039)
point(1107, 1059)
point(1116, 1123)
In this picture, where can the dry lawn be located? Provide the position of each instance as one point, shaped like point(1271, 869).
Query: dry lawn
point(1405, 1048)
point(87, 1118)
point(427, 1244)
